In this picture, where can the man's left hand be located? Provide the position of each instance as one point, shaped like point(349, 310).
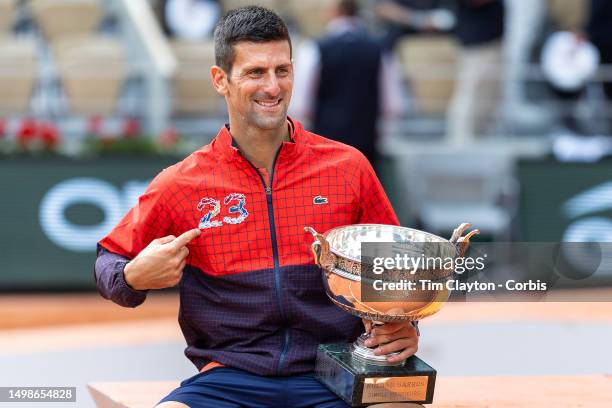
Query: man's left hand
point(392, 337)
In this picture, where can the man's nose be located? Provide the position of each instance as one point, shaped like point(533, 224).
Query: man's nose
point(271, 86)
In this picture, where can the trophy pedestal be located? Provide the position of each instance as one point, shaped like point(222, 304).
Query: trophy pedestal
point(360, 384)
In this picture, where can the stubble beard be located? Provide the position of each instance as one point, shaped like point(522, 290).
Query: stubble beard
point(267, 122)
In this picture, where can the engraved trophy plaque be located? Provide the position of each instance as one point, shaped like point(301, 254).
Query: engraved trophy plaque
point(353, 371)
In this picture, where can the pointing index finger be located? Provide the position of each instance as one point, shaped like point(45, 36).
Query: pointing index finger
point(186, 237)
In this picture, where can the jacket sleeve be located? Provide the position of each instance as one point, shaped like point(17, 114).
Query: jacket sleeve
point(147, 220)
point(111, 282)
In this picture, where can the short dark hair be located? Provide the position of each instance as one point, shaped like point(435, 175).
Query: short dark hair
point(251, 24)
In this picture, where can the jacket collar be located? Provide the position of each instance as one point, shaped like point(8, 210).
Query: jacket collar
point(225, 145)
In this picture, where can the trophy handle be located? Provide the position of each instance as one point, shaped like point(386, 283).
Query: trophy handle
point(321, 252)
point(462, 242)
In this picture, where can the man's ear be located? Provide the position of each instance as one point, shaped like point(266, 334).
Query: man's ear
point(219, 80)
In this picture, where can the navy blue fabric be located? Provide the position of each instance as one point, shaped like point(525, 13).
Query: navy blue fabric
point(348, 94)
point(219, 324)
point(110, 280)
point(479, 23)
point(232, 388)
point(599, 27)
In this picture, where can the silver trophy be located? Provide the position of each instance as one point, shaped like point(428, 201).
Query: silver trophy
point(338, 253)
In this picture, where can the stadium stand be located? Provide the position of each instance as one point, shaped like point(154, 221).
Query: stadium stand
point(569, 14)
point(164, 81)
point(92, 71)
point(308, 15)
point(7, 14)
point(18, 73)
point(64, 18)
point(429, 63)
point(449, 186)
point(193, 91)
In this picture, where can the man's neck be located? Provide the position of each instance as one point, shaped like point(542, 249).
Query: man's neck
point(260, 146)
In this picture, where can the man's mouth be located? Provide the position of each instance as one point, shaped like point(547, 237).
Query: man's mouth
point(269, 103)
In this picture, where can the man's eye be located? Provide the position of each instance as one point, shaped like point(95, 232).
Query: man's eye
point(256, 72)
point(283, 71)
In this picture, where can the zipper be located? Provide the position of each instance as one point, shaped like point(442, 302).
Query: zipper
point(277, 273)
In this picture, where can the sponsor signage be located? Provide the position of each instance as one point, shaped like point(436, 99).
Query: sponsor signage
point(54, 210)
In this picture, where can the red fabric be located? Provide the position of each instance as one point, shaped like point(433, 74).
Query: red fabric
point(310, 166)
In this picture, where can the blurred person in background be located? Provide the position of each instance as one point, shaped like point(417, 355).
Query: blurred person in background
point(570, 60)
point(569, 63)
point(190, 20)
point(480, 29)
point(408, 17)
point(523, 26)
point(599, 32)
point(344, 81)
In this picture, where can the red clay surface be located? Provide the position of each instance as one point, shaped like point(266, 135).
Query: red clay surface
point(593, 391)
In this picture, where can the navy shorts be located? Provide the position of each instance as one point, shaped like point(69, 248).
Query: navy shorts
point(225, 387)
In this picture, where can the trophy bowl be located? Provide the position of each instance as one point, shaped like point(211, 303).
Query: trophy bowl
point(347, 256)
point(338, 253)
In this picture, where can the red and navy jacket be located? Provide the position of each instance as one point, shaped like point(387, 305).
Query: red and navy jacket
point(251, 296)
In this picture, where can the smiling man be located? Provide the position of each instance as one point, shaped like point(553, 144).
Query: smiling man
point(227, 225)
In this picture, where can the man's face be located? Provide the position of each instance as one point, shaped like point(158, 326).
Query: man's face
point(260, 84)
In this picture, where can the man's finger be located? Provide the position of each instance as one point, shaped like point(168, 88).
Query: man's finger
point(407, 352)
point(368, 325)
point(397, 345)
point(164, 240)
point(183, 252)
point(404, 332)
point(186, 237)
point(388, 328)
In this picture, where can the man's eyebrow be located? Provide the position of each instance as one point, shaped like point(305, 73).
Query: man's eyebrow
point(255, 67)
point(251, 68)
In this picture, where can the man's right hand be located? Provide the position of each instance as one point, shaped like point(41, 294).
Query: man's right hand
point(160, 265)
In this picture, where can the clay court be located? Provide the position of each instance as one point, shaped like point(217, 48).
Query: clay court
point(487, 354)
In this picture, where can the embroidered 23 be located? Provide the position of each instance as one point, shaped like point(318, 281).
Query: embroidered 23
point(238, 208)
point(207, 220)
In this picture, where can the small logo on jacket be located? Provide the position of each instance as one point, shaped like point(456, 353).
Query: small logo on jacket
point(319, 200)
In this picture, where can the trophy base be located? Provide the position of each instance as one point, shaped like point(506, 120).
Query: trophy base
point(360, 383)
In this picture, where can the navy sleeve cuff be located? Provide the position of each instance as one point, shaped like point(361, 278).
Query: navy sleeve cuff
point(123, 286)
point(111, 281)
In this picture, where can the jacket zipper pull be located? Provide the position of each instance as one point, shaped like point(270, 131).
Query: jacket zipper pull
point(268, 190)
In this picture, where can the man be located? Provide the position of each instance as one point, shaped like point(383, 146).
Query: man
point(473, 108)
point(326, 76)
point(253, 309)
point(599, 32)
point(410, 17)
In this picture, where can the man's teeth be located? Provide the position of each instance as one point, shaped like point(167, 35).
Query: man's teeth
point(268, 103)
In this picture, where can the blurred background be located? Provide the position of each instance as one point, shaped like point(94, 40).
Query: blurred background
point(493, 111)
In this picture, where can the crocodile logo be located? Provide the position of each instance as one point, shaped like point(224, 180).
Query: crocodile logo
point(319, 200)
